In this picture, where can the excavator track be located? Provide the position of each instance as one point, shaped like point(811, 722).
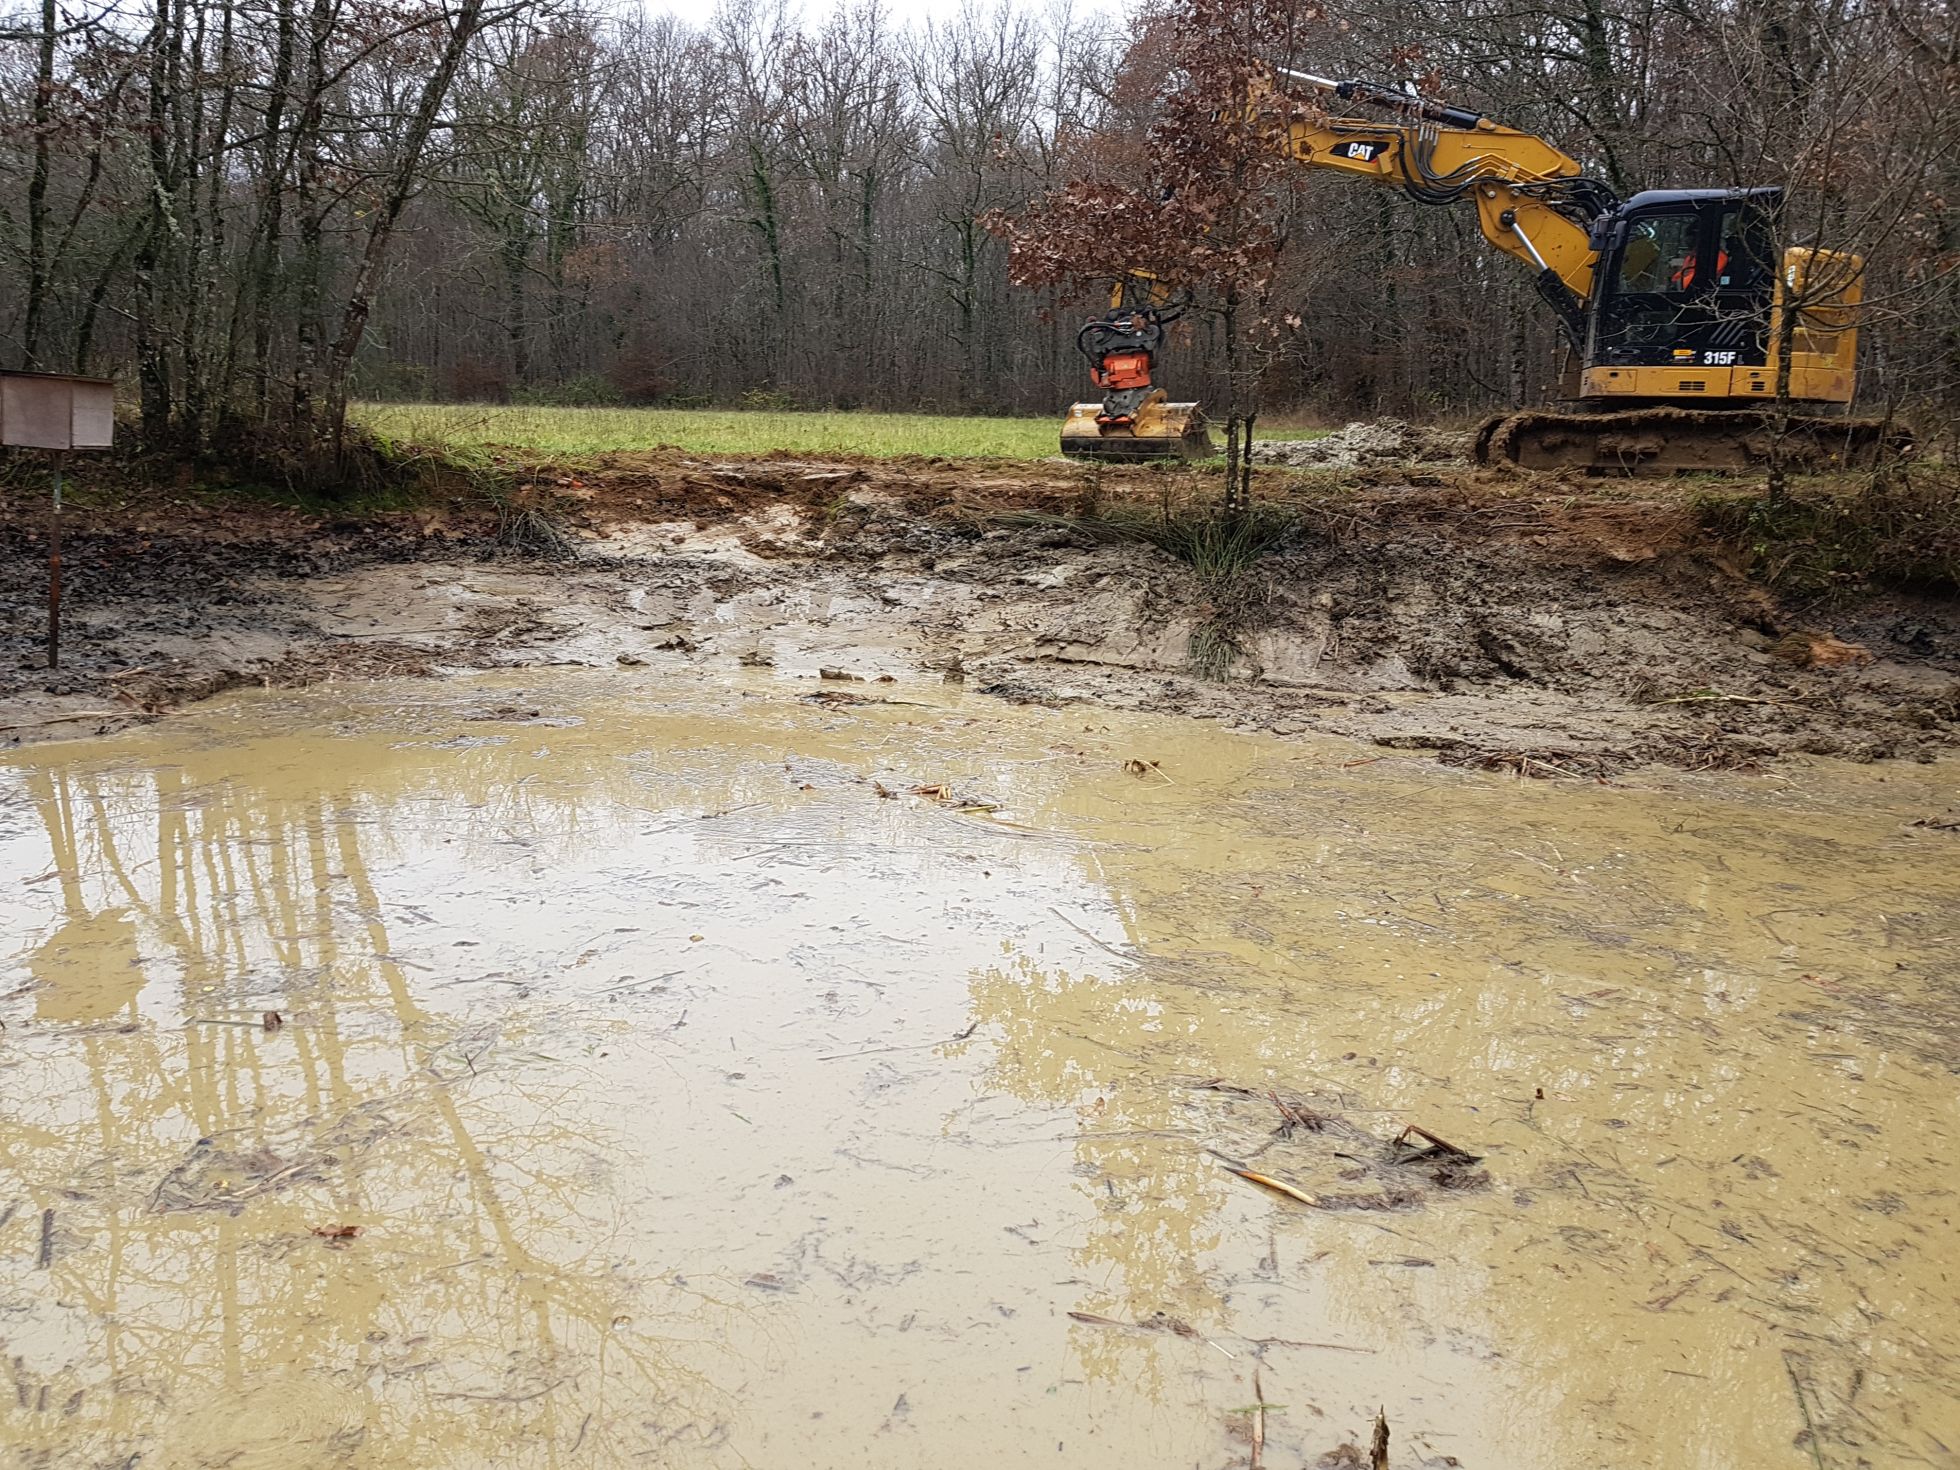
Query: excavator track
point(1674, 441)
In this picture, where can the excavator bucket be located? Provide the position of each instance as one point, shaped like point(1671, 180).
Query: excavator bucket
point(1160, 430)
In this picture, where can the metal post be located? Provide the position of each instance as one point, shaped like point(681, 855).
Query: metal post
point(54, 570)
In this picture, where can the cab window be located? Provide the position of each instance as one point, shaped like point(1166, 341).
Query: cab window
point(1660, 254)
point(1746, 260)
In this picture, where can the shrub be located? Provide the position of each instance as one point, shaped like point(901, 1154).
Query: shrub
point(1900, 530)
point(587, 390)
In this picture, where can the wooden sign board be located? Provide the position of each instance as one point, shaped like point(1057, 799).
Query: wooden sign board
point(56, 411)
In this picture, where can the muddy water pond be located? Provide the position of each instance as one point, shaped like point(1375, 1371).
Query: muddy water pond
point(580, 1070)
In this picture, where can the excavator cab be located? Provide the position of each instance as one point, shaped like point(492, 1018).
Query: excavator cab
point(1135, 418)
point(1688, 307)
point(1687, 280)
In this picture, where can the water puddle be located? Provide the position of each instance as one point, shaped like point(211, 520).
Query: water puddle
point(590, 1071)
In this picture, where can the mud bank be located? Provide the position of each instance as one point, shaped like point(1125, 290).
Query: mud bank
point(1551, 627)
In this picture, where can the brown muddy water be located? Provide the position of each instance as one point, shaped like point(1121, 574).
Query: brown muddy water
point(651, 1089)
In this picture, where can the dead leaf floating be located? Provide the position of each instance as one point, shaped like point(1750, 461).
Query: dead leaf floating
point(337, 1236)
point(272, 1020)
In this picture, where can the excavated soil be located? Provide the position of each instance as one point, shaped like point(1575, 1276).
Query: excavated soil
point(1547, 626)
point(1368, 444)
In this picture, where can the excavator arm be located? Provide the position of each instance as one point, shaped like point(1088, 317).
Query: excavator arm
point(1533, 201)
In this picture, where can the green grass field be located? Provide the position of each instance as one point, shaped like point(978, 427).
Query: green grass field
point(574, 431)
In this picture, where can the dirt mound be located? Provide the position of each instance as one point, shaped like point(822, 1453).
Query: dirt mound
point(1385, 441)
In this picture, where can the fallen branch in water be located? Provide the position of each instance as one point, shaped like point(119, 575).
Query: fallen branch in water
point(87, 714)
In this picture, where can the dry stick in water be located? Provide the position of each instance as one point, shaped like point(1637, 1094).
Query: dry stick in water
point(1277, 1185)
point(1810, 1428)
point(1292, 1115)
point(47, 1239)
point(87, 714)
point(1258, 1421)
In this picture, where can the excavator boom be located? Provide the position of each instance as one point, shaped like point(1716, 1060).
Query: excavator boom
point(1533, 201)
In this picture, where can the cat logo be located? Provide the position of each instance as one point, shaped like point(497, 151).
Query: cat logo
point(1360, 152)
point(1683, 354)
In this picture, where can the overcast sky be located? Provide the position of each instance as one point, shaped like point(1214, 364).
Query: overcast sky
point(902, 12)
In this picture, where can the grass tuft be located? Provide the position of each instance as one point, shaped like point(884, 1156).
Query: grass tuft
point(1222, 546)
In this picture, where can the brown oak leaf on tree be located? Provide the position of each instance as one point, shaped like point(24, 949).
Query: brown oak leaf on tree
point(1195, 196)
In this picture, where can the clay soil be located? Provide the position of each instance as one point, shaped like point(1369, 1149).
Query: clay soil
point(1555, 628)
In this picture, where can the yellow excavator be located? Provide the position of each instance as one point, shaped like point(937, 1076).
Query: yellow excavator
point(1673, 304)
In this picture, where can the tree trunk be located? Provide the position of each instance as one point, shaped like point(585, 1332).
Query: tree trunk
point(37, 188)
point(266, 246)
point(152, 291)
point(310, 147)
point(381, 228)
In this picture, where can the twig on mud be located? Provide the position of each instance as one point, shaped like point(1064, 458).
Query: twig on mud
point(873, 1051)
point(1662, 1303)
point(1526, 762)
point(1337, 1347)
point(649, 980)
point(1378, 1452)
point(1156, 1322)
point(505, 1398)
point(47, 1239)
point(1715, 696)
point(393, 633)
